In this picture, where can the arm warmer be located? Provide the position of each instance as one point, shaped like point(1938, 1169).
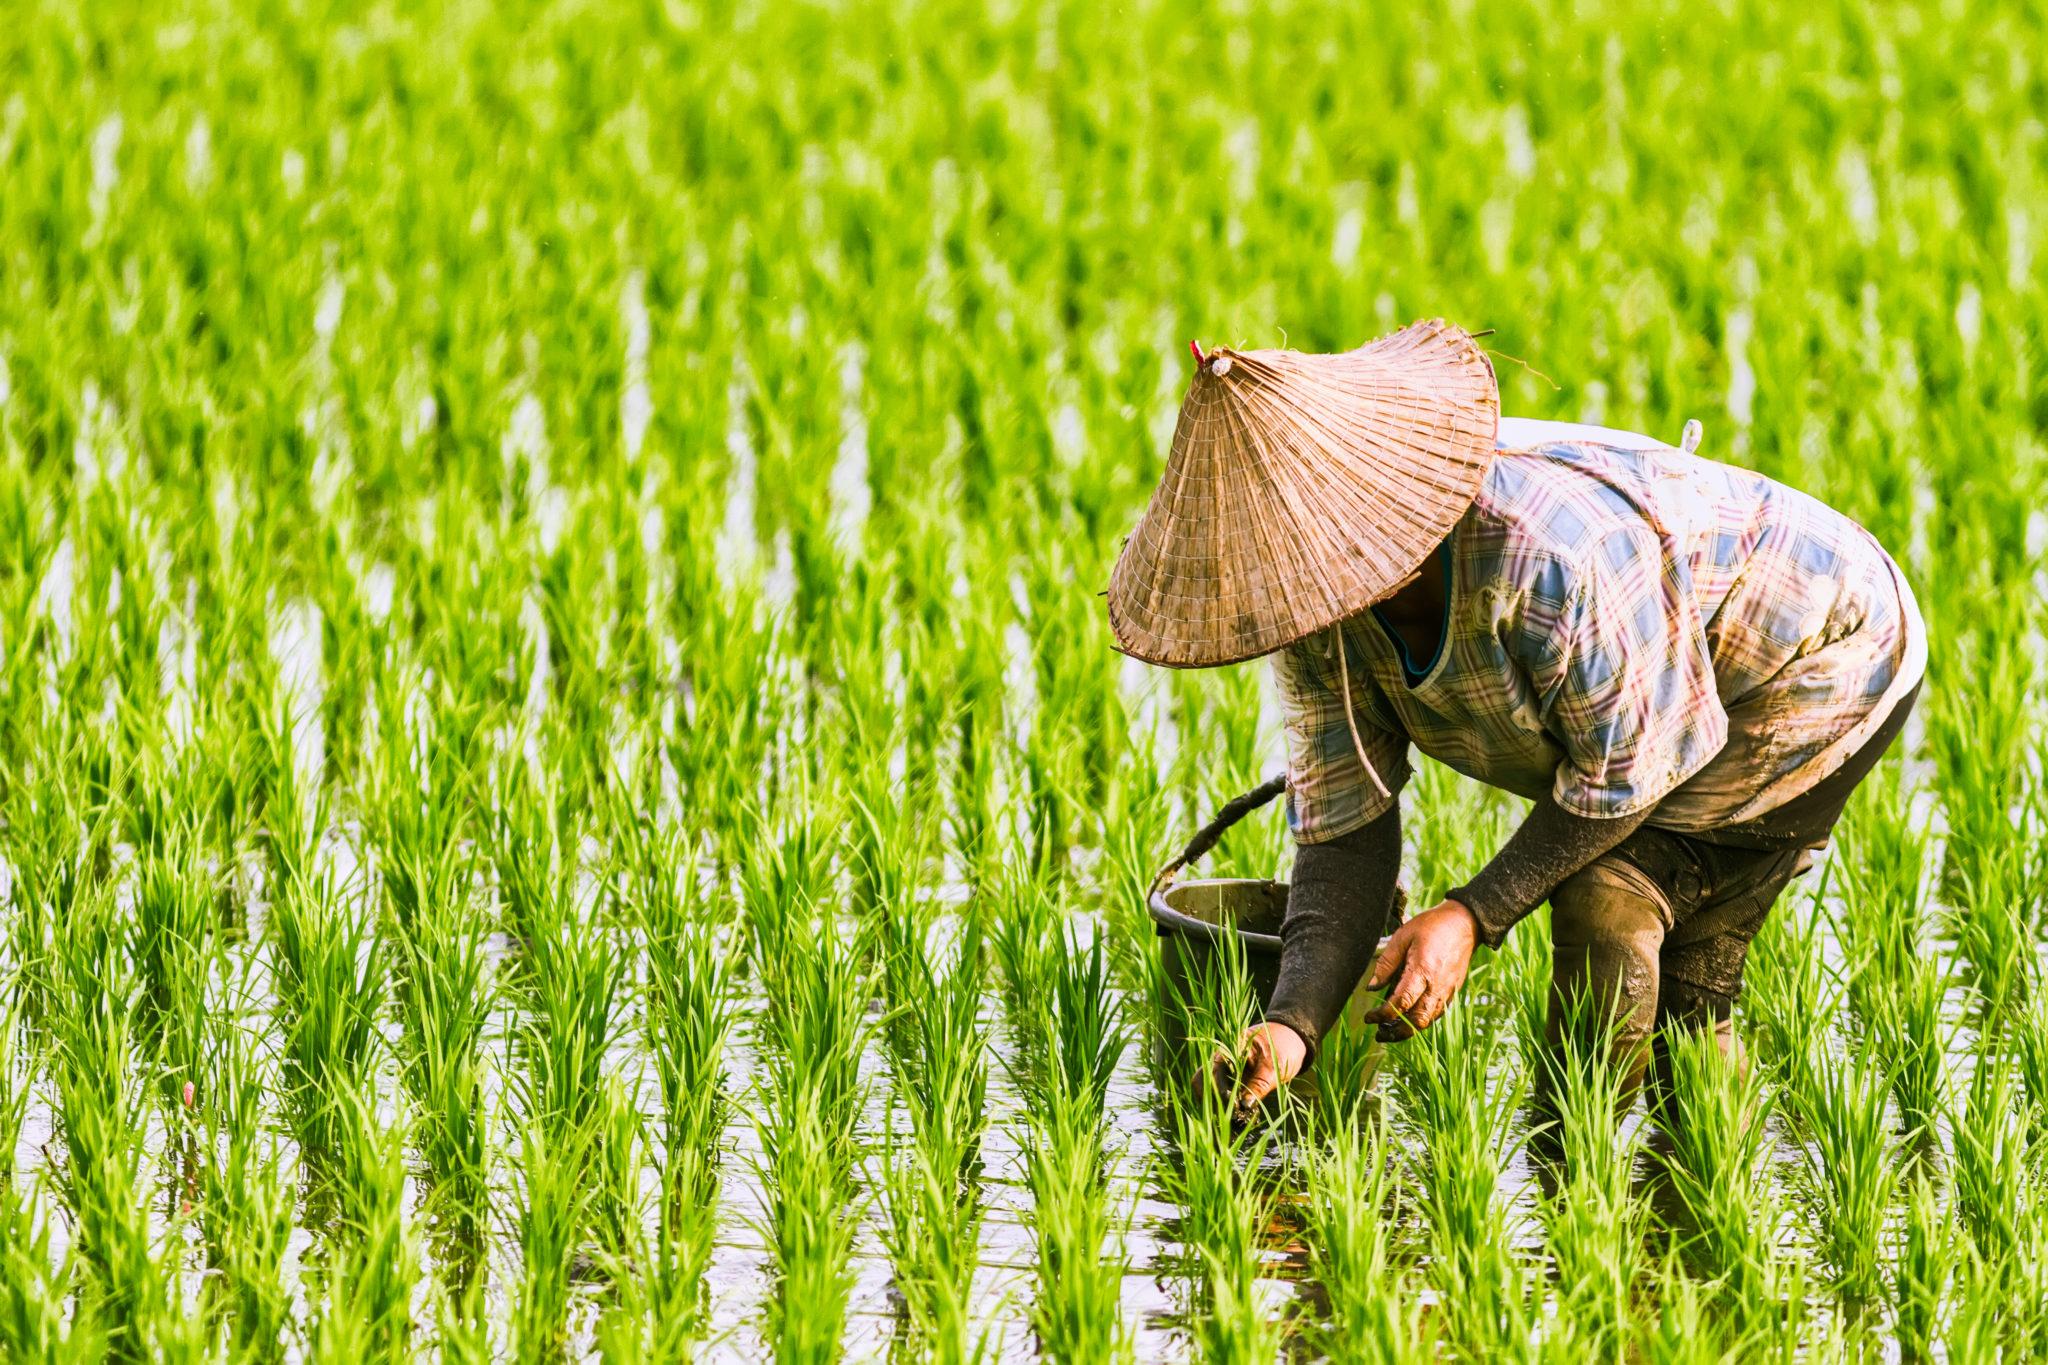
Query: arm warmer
point(1549, 846)
point(1339, 901)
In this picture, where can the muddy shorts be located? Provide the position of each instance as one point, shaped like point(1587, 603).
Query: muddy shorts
point(1661, 924)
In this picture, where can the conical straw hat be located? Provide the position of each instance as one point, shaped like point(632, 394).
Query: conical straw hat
point(1300, 490)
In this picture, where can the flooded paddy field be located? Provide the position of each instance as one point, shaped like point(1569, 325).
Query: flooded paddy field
point(564, 788)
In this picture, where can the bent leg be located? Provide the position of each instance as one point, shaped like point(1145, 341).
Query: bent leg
point(1704, 953)
point(1607, 927)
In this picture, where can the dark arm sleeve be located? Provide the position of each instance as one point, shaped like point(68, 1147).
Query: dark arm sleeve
point(1339, 902)
point(1549, 846)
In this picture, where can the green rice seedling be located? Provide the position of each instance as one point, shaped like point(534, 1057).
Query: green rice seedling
point(1223, 1210)
point(371, 1269)
point(1453, 825)
point(1990, 921)
point(819, 985)
point(19, 1064)
point(421, 803)
point(1974, 730)
point(1879, 868)
point(245, 1207)
point(173, 913)
point(1138, 826)
point(975, 811)
point(34, 1321)
point(1787, 996)
point(2028, 1040)
point(1992, 1162)
point(1076, 681)
point(33, 1283)
point(938, 1049)
point(1076, 1313)
point(658, 1310)
point(1353, 1196)
point(1069, 1042)
point(818, 982)
point(1446, 1087)
point(1719, 1144)
point(1981, 1303)
point(549, 1229)
point(1055, 774)
point(295, 804)
point(526, 845)
point(102, 1114)
point(444, 998)
point(1211, 1010)
point(1214, 1174)
point(1912, 1039)
point(929, 1191)
point(462, 1333)
point(1343, 1085)
point(1687, 1325)
point(159, 802)
point(1088, 1040)
point(57, 850)
point(1023, 928)
point(1239, 764)
point(930, 1231)
point(1927, 1257)
point(1802, 1329)
point(1855, 1173)
point(2027, 1280)
point(619, 1155)
point(687, 1023)
point(784, 870)
point(330, 978)
point(890, 848)
point(27, 545)
point(1519, 978)
point(573, 997)
point(1593, 1220)
point(720, 747)
point(808, 1170)
point(982, 740)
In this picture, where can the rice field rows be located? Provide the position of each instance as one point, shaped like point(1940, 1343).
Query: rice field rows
point(563, 787)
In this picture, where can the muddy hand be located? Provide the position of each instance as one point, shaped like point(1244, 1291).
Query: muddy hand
point(1421, 969)
point(1273, 1054)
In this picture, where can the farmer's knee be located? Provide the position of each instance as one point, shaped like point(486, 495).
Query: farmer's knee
point(1607, 925)
point(1702, 961)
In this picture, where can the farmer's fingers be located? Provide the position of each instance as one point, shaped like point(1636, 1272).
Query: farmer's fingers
point(1386, 964)
point(1398, 1023)
point(1401, 999)
point(1410, 990)
point(1223, 1071)
point(1260, 1081)
point(1431, 1007)
point(1406, 1025)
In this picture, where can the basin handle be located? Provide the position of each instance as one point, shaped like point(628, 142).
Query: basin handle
point(1206, 837)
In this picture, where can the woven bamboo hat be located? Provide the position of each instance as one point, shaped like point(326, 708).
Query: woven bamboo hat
point(1300, 490)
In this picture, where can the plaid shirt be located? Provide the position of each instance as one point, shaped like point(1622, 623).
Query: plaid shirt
point(1628, 626)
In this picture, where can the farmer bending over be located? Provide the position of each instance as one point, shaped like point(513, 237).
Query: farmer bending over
point(1686, 666)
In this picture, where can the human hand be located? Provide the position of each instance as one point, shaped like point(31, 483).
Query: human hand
point(1421, 968)
point(1273, 1054)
